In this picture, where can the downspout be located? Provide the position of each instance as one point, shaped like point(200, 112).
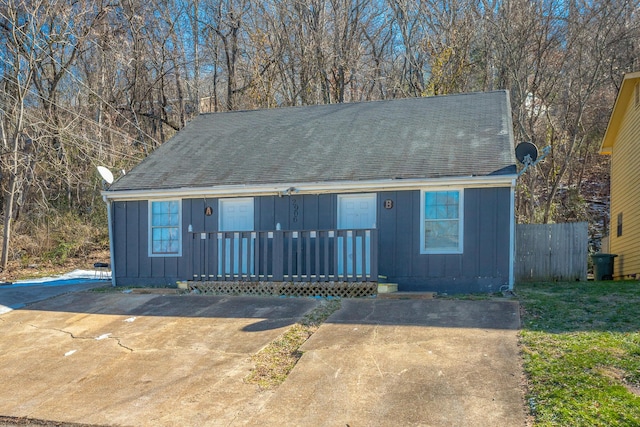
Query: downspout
point(110, 225)
point(512, 234)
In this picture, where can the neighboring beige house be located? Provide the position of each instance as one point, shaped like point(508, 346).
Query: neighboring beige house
point(622, 142)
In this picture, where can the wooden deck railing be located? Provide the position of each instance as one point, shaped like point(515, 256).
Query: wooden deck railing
point(297, 256)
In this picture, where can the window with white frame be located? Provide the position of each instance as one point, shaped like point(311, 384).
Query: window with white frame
point(441, 222)
point(165, 237)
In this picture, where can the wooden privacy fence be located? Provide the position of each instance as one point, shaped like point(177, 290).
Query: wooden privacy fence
point(551, 252)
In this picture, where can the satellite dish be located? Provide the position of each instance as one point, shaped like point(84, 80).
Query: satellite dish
point(105, 174)
point(526, 152)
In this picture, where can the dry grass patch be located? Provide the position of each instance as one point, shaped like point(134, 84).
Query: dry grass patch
point(274, 362)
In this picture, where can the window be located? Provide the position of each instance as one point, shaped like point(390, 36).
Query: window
point(619, 230)
point(441, 227)
point(637, 91)
point(165, 238)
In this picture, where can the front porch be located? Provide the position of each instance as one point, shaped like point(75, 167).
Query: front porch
point(340, 263)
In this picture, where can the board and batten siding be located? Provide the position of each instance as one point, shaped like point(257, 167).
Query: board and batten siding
point(133, 266)
point(482, 267)
point(625, 195)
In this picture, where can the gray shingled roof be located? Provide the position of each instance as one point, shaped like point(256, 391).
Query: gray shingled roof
point(433, 137)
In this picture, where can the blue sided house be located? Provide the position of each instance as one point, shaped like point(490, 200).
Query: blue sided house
point(418, 192)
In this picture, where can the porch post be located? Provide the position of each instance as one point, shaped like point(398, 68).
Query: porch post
point(374, 255)
point(278, 256)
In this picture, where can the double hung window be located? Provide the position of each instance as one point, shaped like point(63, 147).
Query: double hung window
point(165, 238)
point(441, 226)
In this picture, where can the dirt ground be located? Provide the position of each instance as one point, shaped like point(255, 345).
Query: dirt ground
point(16, 421)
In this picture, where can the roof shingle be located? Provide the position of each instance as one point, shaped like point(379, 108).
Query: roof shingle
point(433, 137)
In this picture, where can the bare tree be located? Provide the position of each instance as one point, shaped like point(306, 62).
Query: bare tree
point(106, 82)
point(409, 21)
point(19, 60)
point(225, 25)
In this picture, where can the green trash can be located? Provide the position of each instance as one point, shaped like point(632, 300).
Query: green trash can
point(603, 266)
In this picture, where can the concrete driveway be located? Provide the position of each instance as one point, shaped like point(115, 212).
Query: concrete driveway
point(406, 363)
point(17, 296)
point(131, 359)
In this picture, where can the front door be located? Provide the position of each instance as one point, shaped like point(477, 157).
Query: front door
point(235, 215)
point(355, 211)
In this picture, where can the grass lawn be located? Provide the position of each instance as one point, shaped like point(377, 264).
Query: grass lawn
point(581, 349)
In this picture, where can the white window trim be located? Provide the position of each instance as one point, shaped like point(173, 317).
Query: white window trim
point(460, 248)
point(150, 229)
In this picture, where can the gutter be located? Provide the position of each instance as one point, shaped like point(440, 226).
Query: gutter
point(313, 188)
point(512, 234)
point(111, 252)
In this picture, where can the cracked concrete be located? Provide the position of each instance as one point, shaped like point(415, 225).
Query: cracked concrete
point(406, 362)
point(71, 334)
point(127, 359)
point(181, 361)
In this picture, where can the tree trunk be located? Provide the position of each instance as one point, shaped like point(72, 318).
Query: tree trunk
point(8, 217)
point(10, 195)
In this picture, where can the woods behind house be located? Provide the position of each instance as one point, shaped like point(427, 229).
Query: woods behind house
point(97, 82)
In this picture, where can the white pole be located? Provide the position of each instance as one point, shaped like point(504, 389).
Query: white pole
point(111, 256)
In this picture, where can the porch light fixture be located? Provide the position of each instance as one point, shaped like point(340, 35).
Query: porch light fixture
point(289, 191)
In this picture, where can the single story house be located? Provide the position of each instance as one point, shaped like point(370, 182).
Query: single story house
point(418, 192)
point(622, 142)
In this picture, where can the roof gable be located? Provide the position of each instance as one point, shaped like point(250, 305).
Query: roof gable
point(623, 101)
point(434, 137)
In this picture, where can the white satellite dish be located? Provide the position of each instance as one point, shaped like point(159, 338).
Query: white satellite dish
point(105, 174)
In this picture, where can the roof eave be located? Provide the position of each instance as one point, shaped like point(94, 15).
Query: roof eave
point(506, 180)
point(617, 115)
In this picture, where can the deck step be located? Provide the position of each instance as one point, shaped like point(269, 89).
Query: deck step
point(385, 288)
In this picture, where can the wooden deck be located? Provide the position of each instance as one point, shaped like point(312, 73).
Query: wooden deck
point(308, 256)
